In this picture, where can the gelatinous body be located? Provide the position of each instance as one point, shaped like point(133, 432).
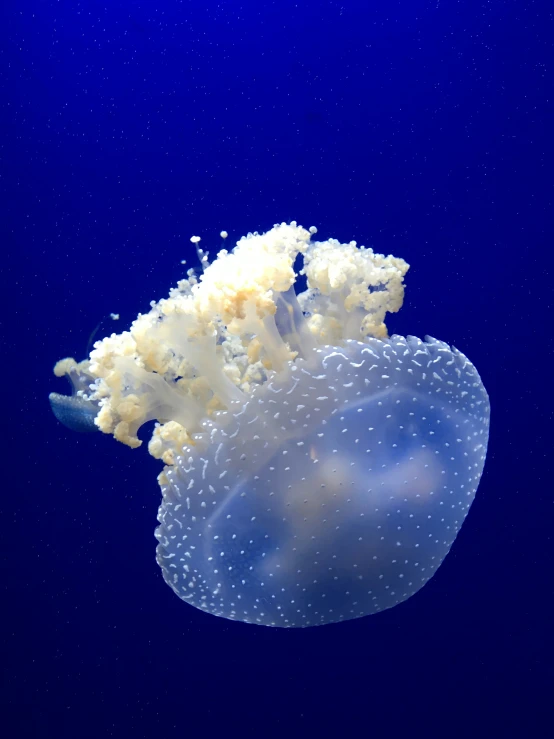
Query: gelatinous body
point(333, 493)
point(315, 469)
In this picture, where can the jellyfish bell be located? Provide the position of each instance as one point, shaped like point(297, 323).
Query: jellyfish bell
point(316, 470)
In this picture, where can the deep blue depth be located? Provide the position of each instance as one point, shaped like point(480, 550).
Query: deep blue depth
point(422, 129)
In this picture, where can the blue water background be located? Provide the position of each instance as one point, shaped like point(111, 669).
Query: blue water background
point(423, 129)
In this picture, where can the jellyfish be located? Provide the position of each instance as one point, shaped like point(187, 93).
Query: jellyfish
point(316, 469)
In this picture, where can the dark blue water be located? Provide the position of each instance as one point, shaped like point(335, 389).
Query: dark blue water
point(423, 129)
